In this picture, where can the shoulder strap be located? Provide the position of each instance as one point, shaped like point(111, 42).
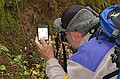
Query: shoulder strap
point(112, 74)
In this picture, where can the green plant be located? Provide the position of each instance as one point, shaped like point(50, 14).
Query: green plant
point(3, 48)
point(2, 67)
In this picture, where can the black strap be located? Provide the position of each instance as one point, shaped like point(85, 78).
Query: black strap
point(57, 46)
point(110, 75)
point(111, 39)
point(62, 39)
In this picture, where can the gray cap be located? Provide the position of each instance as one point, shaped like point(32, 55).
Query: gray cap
point(83, 20)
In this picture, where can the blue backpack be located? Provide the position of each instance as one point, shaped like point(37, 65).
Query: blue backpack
point(110, 24)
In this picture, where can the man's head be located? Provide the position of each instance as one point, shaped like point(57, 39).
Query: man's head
point(76, 22)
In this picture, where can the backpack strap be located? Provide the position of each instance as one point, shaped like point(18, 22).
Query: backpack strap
point(112, 74)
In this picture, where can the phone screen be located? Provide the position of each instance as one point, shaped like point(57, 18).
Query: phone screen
point(43, 32)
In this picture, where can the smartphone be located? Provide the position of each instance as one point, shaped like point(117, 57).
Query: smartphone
point(43, 31)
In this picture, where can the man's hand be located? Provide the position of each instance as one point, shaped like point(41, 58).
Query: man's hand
point(44, 49)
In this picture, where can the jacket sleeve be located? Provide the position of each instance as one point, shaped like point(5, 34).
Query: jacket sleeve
point(54, 70)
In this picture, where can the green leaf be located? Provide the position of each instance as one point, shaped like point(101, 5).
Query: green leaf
point(42, 74)
point(12, 62)
point(27, 73)
point(20, 74)
point(35, 55)
point(19, 64)
point(32, 40)
point(18, 58)
point(3, 48)
point(2, 67)
point(37, 65)
point(9, 55)
point(25, 62)
point(24, 67)
point(42, 59)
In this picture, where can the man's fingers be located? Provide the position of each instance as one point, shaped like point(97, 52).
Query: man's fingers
point(39, 46)
point(50, 43)
point(43, 42)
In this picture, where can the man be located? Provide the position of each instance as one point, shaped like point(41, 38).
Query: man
point(75, 21)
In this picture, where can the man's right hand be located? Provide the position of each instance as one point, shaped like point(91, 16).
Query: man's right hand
point(44, 49)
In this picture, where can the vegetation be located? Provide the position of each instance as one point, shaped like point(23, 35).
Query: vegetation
point(18, 22)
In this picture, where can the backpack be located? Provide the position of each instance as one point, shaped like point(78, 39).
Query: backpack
point(110, 24)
